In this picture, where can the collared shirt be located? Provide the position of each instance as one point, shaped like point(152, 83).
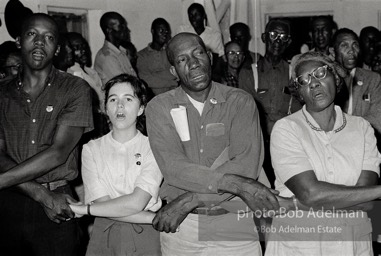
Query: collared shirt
point(229, 79)
point(272, 94)
point(153, 67)
point(28, 126)
point(111, 61)
point(298, 145)
point(229, 121)
point(211, 37)
point(92, 78)
point(111, 168)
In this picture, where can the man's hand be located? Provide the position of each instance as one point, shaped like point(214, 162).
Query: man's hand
point(169, 217)
point(56, 206)
point(256, 195)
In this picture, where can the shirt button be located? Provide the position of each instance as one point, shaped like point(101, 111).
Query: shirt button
point(34, 120)
point(28, 100)
point(33, 142)
point(202, 127)
point(201, 150)
point(49, 84)
point(210, 187)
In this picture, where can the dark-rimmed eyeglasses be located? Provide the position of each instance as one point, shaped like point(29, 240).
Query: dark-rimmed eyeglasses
point(234, 53)
point(318, 73)
point(273, 35)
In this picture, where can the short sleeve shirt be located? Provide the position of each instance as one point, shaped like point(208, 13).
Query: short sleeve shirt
point(298, 145)
point(28, 126)
point(111, 168)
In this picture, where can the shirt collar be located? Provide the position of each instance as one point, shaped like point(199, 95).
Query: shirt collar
point(49, 79)
point(153, 50)
point(216, 95)
point(340, 121)
point(112, 47)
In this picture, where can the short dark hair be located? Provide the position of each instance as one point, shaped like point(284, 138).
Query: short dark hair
point(368, 29)
point(342, 31)
point(280, 21)
point(140, 91)
point(38, 15)
point(239, 26)
point(159, 21)
point(331, 24)
point(105, 19)
point(170, 45)
point(198, 7)
point(229, 43)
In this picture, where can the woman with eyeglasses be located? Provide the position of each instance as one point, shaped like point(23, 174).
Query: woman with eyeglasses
point(328, 163)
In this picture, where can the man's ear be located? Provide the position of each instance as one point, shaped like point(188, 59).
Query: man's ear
point(173, 72)
point(58, 50)
point(289, 42)
point(210, 54)
point(332, 52)
point(263, 37)
point(18, 43)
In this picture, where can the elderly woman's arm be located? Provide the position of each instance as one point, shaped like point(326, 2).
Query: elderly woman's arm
point(317, 194)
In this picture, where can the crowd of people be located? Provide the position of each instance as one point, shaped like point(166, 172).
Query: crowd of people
point(190, 146)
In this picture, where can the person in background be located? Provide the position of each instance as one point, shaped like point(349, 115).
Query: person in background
point(111, 60)
point(322, 29)
point(361, 93)
point(240, 33)
point(43, 114)
point(121, 177)
point(64, 59)
point(220, 157)
point(328, 161)
point(132, 54)
point(234, 58)
point(211, 37)
point(268, 83)
point(79, 46)
point(153, 66)
point(369, 37)
point(11, 65)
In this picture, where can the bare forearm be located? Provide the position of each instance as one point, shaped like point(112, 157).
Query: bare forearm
point(30, 169)
point(143, 217)
point(338, 196)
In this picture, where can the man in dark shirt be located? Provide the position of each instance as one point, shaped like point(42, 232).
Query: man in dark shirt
point(43, 114)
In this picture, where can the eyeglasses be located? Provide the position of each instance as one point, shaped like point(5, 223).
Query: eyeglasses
point(234, 53)
point(275, 35)
point(318, 73)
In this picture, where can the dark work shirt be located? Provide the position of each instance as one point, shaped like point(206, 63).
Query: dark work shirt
point(28, 126)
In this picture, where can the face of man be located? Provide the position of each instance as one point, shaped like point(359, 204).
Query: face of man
point(277, 39)
point(38, 43)
point(368, 44)
point(79, 48)
point(234, 55)
point(196, 18)
point(347, 50)
point(321, 33)
point(119, 29)
point(191, 64)
point(161, 33)
point(241, 37)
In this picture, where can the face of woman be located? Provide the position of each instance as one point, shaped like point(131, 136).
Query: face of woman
point(123, 107)
point(318, 87)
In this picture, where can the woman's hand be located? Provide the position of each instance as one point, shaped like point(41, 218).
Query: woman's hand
point(78, 208)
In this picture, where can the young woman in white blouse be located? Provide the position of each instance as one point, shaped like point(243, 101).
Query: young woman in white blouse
point(121, 177)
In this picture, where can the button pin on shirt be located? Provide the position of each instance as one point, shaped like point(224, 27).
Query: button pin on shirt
point(49, 108)
point(138, 157)
point(213, 101)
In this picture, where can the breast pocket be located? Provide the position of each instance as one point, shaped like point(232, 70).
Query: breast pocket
point(215, 129)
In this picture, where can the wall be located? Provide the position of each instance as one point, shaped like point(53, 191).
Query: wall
point(354, 14)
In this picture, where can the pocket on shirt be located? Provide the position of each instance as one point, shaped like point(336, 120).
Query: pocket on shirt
point(215, 129)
